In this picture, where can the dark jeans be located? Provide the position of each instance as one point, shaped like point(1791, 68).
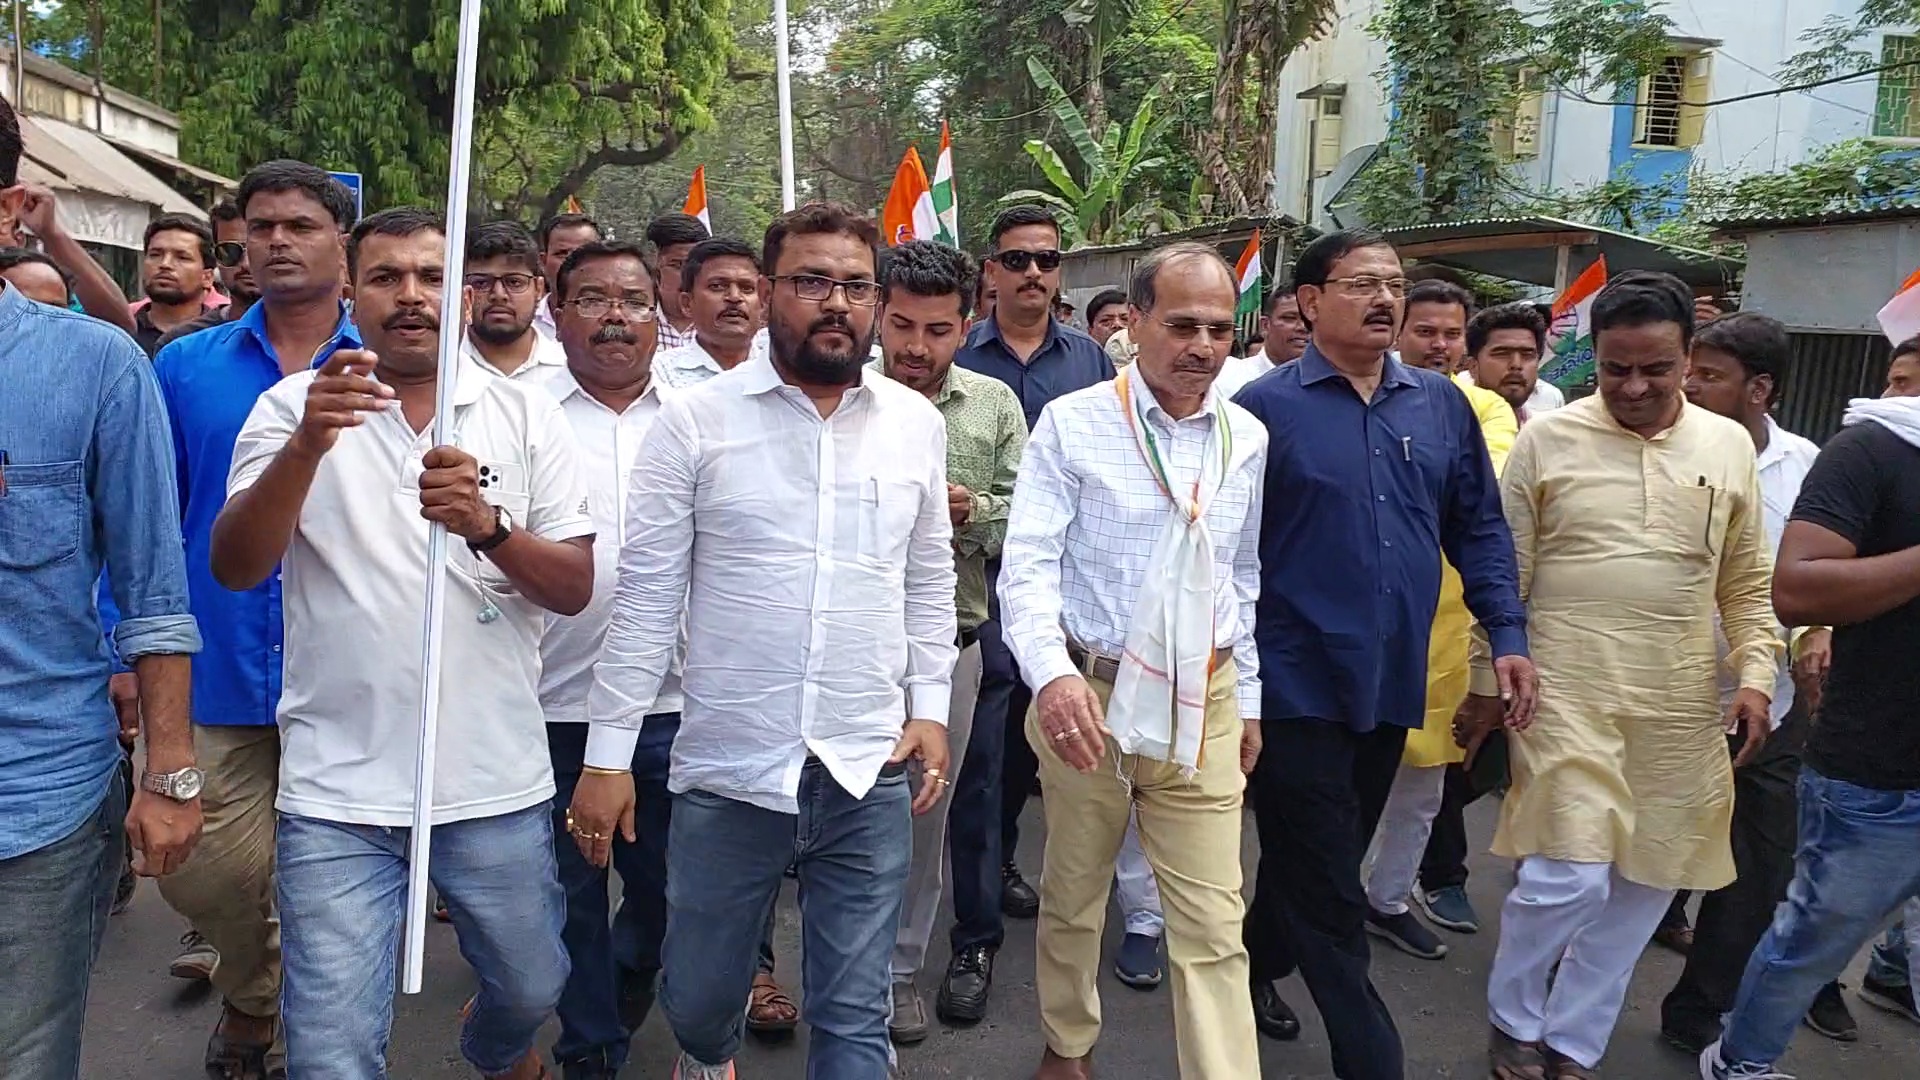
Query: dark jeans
point(1766, 809)
point(1318, 791)
point(1445, 863)
point(605, 957)
point(56, 902)
point(975, 816)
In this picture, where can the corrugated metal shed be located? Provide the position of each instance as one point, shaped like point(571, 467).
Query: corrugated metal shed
point(1550, 252)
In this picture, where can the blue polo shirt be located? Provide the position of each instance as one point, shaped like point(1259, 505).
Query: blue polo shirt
point(1362, 497)
point(1066, 361)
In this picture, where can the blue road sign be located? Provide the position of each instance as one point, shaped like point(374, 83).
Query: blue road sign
point(352, 182)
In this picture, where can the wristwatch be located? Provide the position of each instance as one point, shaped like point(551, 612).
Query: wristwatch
point(182, 786)
point(503, 528)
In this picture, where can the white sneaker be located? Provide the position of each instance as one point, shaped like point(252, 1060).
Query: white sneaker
point(689, 1069)
point(1712, 1068)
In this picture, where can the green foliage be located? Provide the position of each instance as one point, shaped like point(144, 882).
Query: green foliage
point(1832, 47)
point(1110, 196)
point(1235, 144)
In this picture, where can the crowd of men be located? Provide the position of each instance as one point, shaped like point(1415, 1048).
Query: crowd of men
point(812, 559)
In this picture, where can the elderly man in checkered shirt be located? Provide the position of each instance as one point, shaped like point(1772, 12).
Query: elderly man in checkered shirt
point(1130, 570)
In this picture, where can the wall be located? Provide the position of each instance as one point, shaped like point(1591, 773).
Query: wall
point(60, 92)
point(1856, 267)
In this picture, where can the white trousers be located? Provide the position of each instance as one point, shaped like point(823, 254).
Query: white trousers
point(1133, 881)
point(1591, 922)
point(1412, 805)
point(920, 900)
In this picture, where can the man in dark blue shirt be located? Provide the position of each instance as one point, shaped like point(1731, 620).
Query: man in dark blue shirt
point(1020, 343)
point(1374, 471)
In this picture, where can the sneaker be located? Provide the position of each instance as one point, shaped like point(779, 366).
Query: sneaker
point(1449, 909)
point(1712, 1068)
point(1828, 1015)
point(686, 1068)
point(907, 1023)
point(197, 959)
point(1894, 998)
point(1406, 933)
point(1138, 962)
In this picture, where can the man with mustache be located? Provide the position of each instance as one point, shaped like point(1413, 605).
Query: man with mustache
point(1505, 345)
point(718, 288)
point(230, 254)
point(503, 275)
point(1286, 340)
point(1433, 334)
point(1132, 566)
point(1371, 461)
point(336, 474)
point(176, 274)
point(1637, 518)
point(795, 740)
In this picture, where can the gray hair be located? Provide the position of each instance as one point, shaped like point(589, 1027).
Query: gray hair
point(1141, 292)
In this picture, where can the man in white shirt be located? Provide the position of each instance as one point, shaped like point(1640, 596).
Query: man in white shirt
point(719, 290)
point(673, 237)
point(1505, 344)
point(1106, 585)
point(605, 299)
point(559, 235)
point(796, 498)
point(503, 273)
point(1286, 339)
point(336, 479)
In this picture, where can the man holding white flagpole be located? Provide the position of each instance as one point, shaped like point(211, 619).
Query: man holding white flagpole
point(335, 477)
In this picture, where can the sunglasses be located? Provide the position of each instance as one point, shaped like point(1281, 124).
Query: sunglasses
point(230, 253)
point(1018, 261)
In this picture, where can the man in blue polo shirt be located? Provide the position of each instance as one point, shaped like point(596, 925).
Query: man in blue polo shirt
point(1020, 343)
point(296, 216)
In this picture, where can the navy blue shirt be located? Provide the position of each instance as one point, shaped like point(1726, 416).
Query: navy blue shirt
point(1066, 361)
point(1361, 499)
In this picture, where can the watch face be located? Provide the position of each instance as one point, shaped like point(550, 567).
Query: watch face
point(506, 519)
point(187, 783)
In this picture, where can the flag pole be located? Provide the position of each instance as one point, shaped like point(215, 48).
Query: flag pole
point(783, 81)
point(452, 330)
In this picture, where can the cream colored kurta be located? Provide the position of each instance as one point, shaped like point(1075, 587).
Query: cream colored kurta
point(1626, 547)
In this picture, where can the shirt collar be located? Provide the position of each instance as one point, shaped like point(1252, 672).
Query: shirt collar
point(1776, 450)
point(564, 386)
point(1150, 405)
point(757, 375)
point(1315, 367)
point(547, 352)
point(991, 332)
point(345, 334)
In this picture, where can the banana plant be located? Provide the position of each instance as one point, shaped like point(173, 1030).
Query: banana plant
point(1106, 201)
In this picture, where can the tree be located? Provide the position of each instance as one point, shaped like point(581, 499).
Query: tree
point(1831, 47)
point(1108, 200)
point(1235, 147)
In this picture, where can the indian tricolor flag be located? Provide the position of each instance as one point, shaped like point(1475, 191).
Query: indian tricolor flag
point(909, 213)
point(1900, 319)
point(1570, 337)
point(697, 198)
point(1247, 273)
point(946, 208)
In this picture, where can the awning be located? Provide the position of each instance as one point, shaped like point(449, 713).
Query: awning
point(174, 164)
point(1547, 251)
point(105, 197)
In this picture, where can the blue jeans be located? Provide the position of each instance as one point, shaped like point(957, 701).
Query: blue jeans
point(342, 892)
point(1858, 861)
point(725, 861)
point(55, 903)
point(974, 826)
point(624, 958)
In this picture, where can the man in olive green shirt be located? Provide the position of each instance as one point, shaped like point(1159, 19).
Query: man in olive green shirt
point(923, 323)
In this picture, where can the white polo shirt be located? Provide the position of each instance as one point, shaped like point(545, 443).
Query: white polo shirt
point(354, 586)
point(608, 443)
point(548, 354)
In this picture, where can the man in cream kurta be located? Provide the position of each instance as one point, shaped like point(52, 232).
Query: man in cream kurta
point(1636, 517)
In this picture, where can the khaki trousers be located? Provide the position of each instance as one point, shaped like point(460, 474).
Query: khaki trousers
point(226, 888)
point(1190, 830)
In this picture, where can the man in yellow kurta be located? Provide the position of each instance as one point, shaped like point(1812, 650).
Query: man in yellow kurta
point(1635, 517)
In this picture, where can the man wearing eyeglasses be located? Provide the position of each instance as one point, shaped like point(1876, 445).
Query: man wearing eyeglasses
point(503, 274)
point(230, 258)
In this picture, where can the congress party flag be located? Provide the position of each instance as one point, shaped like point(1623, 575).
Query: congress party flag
point(1900, 319)
point(945, 206)
point(909, 214)
point(697, 198)
point(1247, 273)
point(1570, 337)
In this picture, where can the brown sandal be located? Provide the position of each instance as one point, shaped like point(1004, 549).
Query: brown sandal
point(769, 1010)
point(1510, 1059)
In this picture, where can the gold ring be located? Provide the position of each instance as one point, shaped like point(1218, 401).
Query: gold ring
point(935, 773)
point(941, 780)
point(1062, 736)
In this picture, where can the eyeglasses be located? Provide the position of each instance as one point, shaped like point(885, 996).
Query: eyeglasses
point(516, 284)
point(817, 288)
point(1368, 285)
point(1017, 260)
point(230, 253)
point(593, 307)
point(1188, 329)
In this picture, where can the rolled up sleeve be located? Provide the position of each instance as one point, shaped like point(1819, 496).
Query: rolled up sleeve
point(136, 503)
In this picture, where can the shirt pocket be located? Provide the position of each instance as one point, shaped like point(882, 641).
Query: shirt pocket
point(42, 510)
point(1687, 520)
point(888, 510)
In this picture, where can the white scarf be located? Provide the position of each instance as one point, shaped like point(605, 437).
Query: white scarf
point(1159, 701)
point(1900, 415)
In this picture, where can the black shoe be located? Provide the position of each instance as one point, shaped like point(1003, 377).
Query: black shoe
point(963, 993)
point(1828, 1015)
point(1406, 933)
point(1272, 1016)
point(1017, 898)
point(1894, 998)
point(1690, 1037)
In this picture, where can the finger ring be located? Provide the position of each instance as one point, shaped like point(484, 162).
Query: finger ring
point(1070, 733)
point(1062, 736)
point(935, 773)
point(941, 780)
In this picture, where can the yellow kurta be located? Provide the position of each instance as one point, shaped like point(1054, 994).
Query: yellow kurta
point(1433, 743)
point(1626, 548)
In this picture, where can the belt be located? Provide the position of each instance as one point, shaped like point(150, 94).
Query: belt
point(1107, 668)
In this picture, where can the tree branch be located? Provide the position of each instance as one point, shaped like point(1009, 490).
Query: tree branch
point(628, 156)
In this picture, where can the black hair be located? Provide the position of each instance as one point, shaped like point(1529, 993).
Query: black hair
point(396, 221)
point(1140, 292)
point(1519, 315)
point(1278, 291)
point(1315, 264)
point(565, 221)
point(185, 223)
point(18, 256)
point(813, 219)
point(718, 247)
point(1909, 347)
point(1014, 217)
point(226, 210)
point(927, 268)
point(286, 174)
point(594, 252)
point(1103, 299)
point(1643, 298)
point(504, 240)
point(1440, 291)
point(1759, 342)
point(672, 230)
point(10, 145)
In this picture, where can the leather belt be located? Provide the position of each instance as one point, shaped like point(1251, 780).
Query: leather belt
point(1107, 668)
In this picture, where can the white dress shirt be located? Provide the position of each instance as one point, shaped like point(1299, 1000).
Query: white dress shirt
point(548, 355)
point(1545, 397)
point(543, 318)
point(609, 443)
point(1238, 371)
point(812, 559)
point(1087, 513)
point(1783, 468)
point(687, 365)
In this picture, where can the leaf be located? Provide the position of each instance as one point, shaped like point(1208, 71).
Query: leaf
point(1069, 116)
point(1055, 170)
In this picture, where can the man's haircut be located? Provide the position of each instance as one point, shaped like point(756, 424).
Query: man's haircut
point(816, 219)
point(10, 145)
point(1519, 315)
point(286, 174)
point(397, 221)
point(671, 230)
point(1014, 217)
point(1439, 291)
point(504, 240)
point(1759, 342)
point(927, 268)
point(1316, 263)
point(1644, 298)
point(17, 256)
point(185, 223)
point(1102, 300)
point(1140, 292)
point(718, 247)
point(596, 251)
point(565, 221)
point(1276, 292)
point(1909, 347)
point(226, 211)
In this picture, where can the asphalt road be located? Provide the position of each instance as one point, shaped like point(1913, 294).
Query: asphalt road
point(144, 1025)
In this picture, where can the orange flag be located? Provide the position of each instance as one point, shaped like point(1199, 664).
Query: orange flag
point(697, 198)
point(573, 206)
point(909, 214)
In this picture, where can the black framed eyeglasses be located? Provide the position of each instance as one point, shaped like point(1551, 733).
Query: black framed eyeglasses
point(515, 284)
point(229, 253)
point(1018, 260)
point(817, 288)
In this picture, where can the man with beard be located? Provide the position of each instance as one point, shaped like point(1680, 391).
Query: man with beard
point(1132, 568)
point(1286, 339)
point(923, 319)
point(176, 273)
point(1371, 462)
point(718, 287)
point(673, 237)
point(795, 740)
point(559, 236)
point(1505, 344)
point(503, 277)
point(230, 254)
point(605, 299)
point(335, 473)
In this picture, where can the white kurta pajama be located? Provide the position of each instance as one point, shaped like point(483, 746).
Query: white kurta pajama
point(1622, 788)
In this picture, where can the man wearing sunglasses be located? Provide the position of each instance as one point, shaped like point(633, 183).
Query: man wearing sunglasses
point(230, 259)
point(503, 270)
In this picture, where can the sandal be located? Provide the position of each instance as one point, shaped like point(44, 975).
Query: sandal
point(769, 1010)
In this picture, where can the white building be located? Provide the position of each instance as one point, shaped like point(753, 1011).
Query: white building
point(1332, 104)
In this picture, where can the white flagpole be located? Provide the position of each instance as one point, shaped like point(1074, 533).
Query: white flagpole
point(783, 82)
point(452, 331)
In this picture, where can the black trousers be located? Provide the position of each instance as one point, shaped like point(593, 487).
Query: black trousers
point(1732, 920)
point(1318, 791)
point(1445, 863)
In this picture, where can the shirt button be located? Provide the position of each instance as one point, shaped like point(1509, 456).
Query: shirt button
point(1386, 543)
point(1376, 451)
point(1379, 498)
point(276, 648)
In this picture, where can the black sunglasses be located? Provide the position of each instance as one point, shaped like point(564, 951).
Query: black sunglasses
point(1017, 260)
point(229, 253)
